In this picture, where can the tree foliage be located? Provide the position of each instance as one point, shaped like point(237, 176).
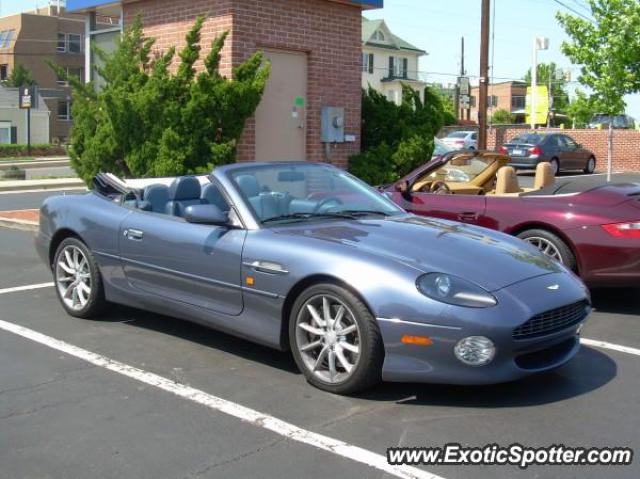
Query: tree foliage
point(154, 120)
point(583, 107)
point(550, 71)
point(19, 76)
point(502, 117)
point(397, 138)
point(608, 50)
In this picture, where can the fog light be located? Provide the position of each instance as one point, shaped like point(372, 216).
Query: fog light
point(475, 350)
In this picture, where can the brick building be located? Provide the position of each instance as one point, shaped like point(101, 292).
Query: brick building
point(314, 47)
point(510, 96)
point(31, 39)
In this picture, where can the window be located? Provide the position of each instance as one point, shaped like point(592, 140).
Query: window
point(493, 101)
point(64, 110)
point(472, 103)
point(398, 67)
point(69, 43)
point(5, 132)
point(367, 62)
point(518, 102)
point(71, 72)
point(74, 43)
point(62, 43)
point(378, 36)
point(4, 72)
point(6, 37)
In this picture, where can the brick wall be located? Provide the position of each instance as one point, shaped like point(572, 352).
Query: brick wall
point(626, 144)
point(328, 32)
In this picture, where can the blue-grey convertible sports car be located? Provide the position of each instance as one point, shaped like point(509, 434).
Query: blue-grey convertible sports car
point(304, 256)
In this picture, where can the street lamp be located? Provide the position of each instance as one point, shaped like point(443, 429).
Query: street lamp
point(539, 43)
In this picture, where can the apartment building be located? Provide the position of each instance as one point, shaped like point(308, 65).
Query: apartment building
point(388, 61)
point(509, 95)
point(35, 37)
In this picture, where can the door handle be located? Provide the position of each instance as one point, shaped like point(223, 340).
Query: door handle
point(468, 216)
point(134, 235)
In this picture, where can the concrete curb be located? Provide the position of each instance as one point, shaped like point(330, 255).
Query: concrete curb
point(53, 184)
point(23, 225)
point(28, 165)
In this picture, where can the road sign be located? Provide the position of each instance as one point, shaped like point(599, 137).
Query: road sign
point(465, 101)
point(25, 96)
point(463, 85)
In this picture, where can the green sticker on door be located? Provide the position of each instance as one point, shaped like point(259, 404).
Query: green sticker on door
point(299, 102)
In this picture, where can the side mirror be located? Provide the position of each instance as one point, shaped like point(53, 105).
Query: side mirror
point(206, 215)
point(402, 187)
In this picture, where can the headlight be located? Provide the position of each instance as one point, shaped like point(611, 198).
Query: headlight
point(475, 350)
point(453, 290)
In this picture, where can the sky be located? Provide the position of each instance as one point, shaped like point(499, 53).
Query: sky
point(437, 26)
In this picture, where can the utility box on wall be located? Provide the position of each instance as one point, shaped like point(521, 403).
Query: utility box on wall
point(332, 124)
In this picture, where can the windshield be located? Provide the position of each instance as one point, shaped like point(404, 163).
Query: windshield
point(303, 192)
point(461, 170)
point(441, 148)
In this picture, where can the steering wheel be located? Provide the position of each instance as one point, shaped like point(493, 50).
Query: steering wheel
point(440, 188)
point(322, 203)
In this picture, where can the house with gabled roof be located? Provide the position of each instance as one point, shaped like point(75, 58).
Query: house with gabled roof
point(388, 61)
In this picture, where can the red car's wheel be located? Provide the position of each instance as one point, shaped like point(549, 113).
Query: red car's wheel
point(550, 245)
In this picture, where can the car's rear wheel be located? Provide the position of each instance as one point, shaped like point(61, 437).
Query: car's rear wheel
point(555, 166)
point(551, 245)
point(77, 279)
point(591, 166)
point(335, 340)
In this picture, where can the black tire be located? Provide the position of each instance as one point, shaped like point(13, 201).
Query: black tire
point(567, 257)
point(590, 167)
point(368, 370)
point(555, 165)
point(96, 302)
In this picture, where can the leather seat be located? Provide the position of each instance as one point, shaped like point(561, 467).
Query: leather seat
point(184, 191)
point(155, 198)
point(507, 181)
point(265, 204)
point(211, 195)
point(544, 176)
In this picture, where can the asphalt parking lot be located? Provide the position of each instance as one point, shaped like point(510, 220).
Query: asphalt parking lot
point(64, 416)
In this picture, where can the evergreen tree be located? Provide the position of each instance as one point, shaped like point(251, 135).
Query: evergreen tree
point(150, 121)
point(19, 76)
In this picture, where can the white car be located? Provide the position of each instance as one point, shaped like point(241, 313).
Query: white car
point(462, 140)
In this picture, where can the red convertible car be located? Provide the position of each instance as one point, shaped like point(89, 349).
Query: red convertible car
point(588, 224)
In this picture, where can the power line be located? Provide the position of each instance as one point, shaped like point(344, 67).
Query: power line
point(573, 10)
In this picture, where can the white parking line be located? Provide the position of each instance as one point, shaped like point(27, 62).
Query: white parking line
point(614, 347)
point(25, 288)
point(256, 418)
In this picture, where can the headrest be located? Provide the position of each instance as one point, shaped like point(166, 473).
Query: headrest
point(544, 176)
point(248, 185)
point(185, 188)
point(156, 192)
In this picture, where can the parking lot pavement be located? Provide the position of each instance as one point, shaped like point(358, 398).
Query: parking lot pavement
point(62, 417)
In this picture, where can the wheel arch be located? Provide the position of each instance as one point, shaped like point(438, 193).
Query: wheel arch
point(59, 237)
point(298, 288)
point(534, 225)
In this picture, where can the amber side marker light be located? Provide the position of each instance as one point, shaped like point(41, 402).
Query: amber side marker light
point(250, 281)
point(417, 340)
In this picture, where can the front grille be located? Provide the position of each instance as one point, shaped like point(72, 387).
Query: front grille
point(552, 321)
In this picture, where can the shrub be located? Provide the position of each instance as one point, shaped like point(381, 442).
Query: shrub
point(149, 120)
point(9, 150)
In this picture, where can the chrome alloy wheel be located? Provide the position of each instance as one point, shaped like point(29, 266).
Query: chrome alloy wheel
point(545, 246)
point(328, 338)
point(73, 277)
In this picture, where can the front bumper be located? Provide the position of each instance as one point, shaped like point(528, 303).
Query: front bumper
point(514, 359)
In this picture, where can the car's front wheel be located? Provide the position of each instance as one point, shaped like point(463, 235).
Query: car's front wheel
point(551, 245)
point(335, 340)
point(77, 279)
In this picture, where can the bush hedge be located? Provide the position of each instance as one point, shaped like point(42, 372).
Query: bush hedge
point(42, 149)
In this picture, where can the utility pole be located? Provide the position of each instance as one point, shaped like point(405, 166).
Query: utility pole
point(484, 74)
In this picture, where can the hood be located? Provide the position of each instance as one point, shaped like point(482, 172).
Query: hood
point(491, 260)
